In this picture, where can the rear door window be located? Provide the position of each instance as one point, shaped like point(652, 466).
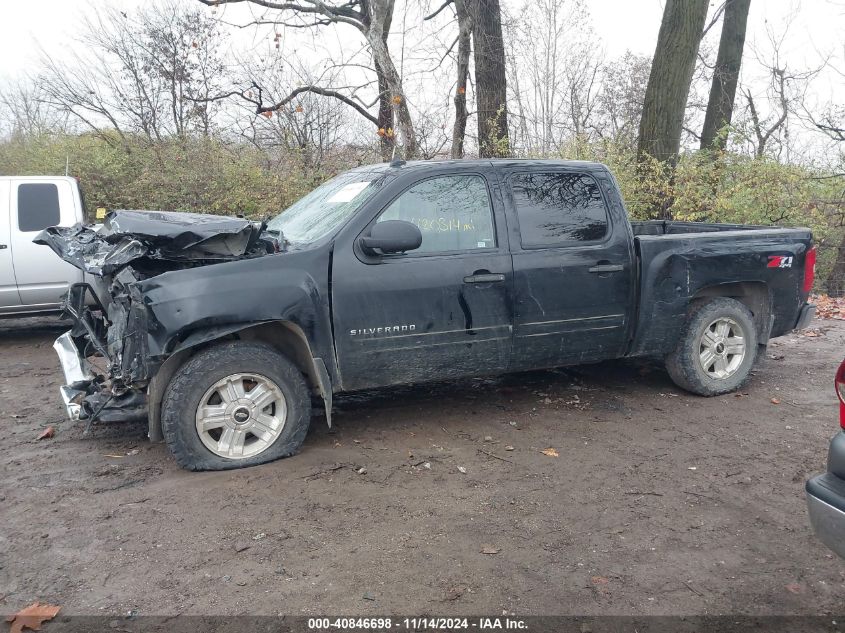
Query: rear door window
point(558, 208)
point(38, 206)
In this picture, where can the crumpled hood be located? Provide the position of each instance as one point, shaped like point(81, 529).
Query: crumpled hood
point(127, 236)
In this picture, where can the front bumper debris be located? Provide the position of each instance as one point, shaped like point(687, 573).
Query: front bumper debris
point(78, 375)
point(85, 395)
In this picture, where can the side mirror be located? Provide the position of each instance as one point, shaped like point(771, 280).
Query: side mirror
point(391, 236)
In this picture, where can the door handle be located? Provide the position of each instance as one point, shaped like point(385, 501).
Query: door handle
point(2, 246)
point(607, 268)
point(484, 278)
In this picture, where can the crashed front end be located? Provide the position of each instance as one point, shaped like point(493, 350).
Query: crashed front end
point(111, 386)
point(107, 356)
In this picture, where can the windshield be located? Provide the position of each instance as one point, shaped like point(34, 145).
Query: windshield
point(327, 207)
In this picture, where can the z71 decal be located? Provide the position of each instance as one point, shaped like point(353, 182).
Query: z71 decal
point(780, 261)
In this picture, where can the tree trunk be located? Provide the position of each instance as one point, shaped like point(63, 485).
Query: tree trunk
point(669, 81)
point(376, 29)
point(464, 50)
point(385, 116)
point(490, 78)
point(725, 75)
point(385, 107)
point(834, 285)
point(381, 56)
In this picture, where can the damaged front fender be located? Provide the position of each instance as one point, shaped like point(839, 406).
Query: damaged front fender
point(166, 285)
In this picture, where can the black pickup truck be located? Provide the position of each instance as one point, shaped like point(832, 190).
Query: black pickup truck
point(220, 330)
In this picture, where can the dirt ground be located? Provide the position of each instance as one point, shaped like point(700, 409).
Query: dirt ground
point(659, 502)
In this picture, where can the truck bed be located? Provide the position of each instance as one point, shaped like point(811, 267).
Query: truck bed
point(682, 261)
point(671, 227)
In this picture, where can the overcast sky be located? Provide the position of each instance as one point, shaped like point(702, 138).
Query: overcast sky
point(815, 33)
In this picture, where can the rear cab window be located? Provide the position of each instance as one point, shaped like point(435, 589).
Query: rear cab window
point(38, 206)
point(558, 209)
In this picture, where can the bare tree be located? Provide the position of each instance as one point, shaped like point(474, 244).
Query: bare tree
point(310, 127)
point(372, 18)
point(490, 77)
point(554, 75)
point(146, 73)
point(464, 16)
point(830, 121)
point(465, 27)
point(621, 98)
point(726, 74)
point(783, 97)
point(669, 81)
point(25, 112)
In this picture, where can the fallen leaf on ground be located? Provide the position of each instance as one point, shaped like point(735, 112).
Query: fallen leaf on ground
point(32, 617)
point(508, 447)
point(462, 470)
point(489, 549)
point(794, 587)
point(775, 401)
point(453, 593)
point(600, 583)
point(46, 434)
point(829, 307)
point(551, 452)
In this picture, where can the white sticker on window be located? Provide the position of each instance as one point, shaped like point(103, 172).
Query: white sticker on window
point(348, 193)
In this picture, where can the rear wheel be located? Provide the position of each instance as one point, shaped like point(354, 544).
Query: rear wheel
point(716, 350)
point(235, 405)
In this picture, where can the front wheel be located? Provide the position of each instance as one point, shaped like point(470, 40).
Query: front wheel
point(716, 350)
point(234, 405)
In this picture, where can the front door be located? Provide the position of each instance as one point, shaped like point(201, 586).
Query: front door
point(440, 311)
point(42, 276)
point(573, 270)
point(8, 286)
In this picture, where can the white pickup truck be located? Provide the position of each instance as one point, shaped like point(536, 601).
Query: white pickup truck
point(33, 278)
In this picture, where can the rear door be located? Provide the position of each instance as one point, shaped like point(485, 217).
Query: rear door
point(573, 267)
point(42, 276)
point(441, 311)
point(8, 286)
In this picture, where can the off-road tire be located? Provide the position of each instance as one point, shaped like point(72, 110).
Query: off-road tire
point(189, 384)
point(683, 363)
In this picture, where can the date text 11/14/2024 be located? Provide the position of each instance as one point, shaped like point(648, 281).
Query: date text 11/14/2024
point(417, 624)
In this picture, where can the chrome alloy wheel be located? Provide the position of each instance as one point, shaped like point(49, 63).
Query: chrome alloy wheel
point(721, 348)
point(241, 416)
